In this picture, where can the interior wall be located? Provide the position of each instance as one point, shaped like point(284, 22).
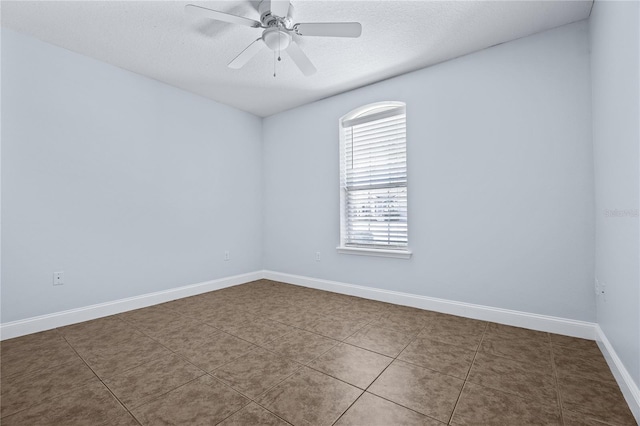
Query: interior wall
point(500, 180)
point(615, 68)
point(500, 173)
point(126, 184)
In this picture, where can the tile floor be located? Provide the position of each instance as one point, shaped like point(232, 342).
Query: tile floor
point(267, 353)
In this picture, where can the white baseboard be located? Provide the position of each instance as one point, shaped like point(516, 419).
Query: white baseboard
point(567, 327)
point(550, 324)
point(627, 385)
point(72, 316)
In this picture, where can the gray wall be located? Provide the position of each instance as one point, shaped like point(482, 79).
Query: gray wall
point(128, 185)
point(615, 71)
point(500, 181)
point(131, 186)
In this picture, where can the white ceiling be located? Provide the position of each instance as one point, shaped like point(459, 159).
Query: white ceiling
point(157, 39)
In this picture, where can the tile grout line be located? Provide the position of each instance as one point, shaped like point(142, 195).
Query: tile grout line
point(184, 358)
point(267, 410)
point(301, 366)
point(210, 373)
point(101, 381)
point(395, 358)
point(296, 371)
point(157, 397)
point(557, 382)
point(234, 390)
point(155, 339)
point(347, 409)
point(320, 334)
point(255, 399)
point(455, 406)
point(41, 371)
point(560, 400)
point(172, 352)
point(376, 378)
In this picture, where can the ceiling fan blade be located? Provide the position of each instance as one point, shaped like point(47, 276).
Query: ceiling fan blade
point(300, 58)
point(279, 8)
point(329, 29)
point(220, 16)
point(246, 55)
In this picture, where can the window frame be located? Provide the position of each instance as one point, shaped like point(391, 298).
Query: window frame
point(358, 116)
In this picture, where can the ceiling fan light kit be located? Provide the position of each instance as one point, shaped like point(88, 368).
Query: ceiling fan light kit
point(276, 38)
point(279, 31)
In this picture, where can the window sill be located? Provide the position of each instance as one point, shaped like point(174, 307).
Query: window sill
point(360, 251)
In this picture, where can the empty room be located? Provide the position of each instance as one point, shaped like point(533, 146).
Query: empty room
point(320, 213)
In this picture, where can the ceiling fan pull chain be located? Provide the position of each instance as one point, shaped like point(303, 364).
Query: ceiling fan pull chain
point(274, 64)
point(279, 43)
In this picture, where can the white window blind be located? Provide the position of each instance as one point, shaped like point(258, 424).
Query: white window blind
point(373, 177)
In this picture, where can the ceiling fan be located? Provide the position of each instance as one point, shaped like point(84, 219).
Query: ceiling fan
point(279, 32)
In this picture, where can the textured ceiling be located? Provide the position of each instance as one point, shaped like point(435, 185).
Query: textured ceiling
point(161, 41)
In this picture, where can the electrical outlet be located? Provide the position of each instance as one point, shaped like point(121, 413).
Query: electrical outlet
point(227, 256)
point(317, 256)
point(58, 278)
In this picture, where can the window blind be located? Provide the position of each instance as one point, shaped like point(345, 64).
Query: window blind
point(374, 179)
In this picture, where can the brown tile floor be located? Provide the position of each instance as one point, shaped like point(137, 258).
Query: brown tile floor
point(268, 353)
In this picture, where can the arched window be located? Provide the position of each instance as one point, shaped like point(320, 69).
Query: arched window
point(373, 181)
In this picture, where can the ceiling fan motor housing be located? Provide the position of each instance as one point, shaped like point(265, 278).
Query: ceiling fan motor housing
point(268, 19)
